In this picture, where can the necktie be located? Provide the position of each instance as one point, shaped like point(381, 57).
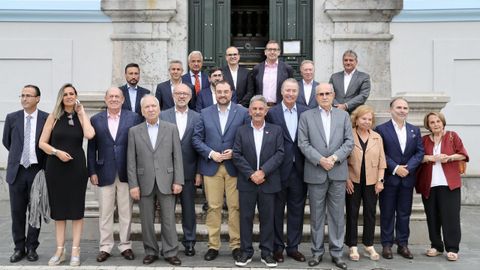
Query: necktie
point(197, 83)
point(26, 143)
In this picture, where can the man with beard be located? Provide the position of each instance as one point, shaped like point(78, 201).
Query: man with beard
point(131, 91)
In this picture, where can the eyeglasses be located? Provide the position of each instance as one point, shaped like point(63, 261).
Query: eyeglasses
point(26, 96)
point(70, 120)
point(272, 50)
point(181, 94)
point(326, 94)
point(232, 54)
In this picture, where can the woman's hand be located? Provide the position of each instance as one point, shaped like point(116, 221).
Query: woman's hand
point(349, 186)
point(63, 156)
point(378, 187)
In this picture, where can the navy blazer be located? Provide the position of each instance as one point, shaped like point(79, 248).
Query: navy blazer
point(207, 136)
point(275, 116)
point(245, 88)
point(165, 98)
point(107, 156)
point(312, 103)
point(412, 156)
point(204, 99)
point(127, 105)
point(271, 156)
point(13, 136)
point(189, 155)
point(284, 71)
point(204, 82)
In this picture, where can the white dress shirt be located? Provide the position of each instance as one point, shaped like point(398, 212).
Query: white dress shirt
point(214, 97)
point(307, 90)
point(234, 76)
point(132, 93)
point(181, 119)
point(153, 132)
point(258, 138)
point(346, 79)
point(223, 116)
point(326, 121)
point(402, 139)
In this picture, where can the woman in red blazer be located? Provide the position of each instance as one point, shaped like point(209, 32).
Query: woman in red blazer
point(439, 182)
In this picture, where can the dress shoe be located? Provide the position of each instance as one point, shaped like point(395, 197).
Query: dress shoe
point(102, 256)
point(173, 260)
point(387, 253)
point(314, 261)
point(339, 263)
point(17, 256)
point(189, 251)
point(150, 259)
point(128, 254)
point(297, 256)
point(32, 255)
point(211, 254)
point(278, 256)
point(405, 252)
point(236, 253)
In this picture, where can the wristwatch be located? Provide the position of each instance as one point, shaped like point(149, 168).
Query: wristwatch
point(381, 181)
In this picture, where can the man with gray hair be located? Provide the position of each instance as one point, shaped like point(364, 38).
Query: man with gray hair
point(306, 94)
point(195, 76)
point(258, 153)
point(164, 91)
point(352, 87)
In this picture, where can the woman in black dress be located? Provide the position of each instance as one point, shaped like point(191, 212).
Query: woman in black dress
point(66, 171)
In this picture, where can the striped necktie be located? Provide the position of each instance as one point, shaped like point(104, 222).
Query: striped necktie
point(26, 143)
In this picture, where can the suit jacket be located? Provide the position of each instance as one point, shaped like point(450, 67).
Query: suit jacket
point(245, 88)
point(147, 164)
point(375, 163)
point(312, 143)
point(271, 157)
point(207, 136)
point(107, 156)
point(164, 95)
point(13, 136)
point(312, 101)
point(357, 92)
point(186, 78)
point(189, 155)
point(205, 99)
point(412, 156)
point(127, 105)
point(284, 71)
point(275, 116)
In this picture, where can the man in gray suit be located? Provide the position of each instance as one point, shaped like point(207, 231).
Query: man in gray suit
point(352, 87)
point(186, 119)
point(325, 138)
point(155, 172)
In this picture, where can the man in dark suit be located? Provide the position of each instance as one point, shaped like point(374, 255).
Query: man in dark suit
point(213, 139)
point(206, 97)
point(238, 77)
point(402, 143)
point(352, 87)
point(164, 91)
point(294, 190)
point(268, 76)
point(155, 173)
point(131, 91)
point(306, 95)
point(195, 76)
point(186, 119)
point(257, 154)
point(107, 168)
point(21, 132)
point(325, 138)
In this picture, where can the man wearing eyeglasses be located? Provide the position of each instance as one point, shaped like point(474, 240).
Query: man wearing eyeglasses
point(269, 75)
point(325, 138)
point(238, 77)
point(21, 133)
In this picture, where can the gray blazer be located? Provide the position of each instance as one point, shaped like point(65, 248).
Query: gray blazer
point(357, 92)
point(312, 143)
point(147, 164)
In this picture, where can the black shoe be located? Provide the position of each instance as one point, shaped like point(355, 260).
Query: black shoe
point(243, 260)
point(314, 261)
point(173, 260)
point(32, 255)
point(339, 263)
point(17, 256)
point(189, 251)
point(102, 256)
point(128, 254)
point(150, 259)
point(236, 253)
point(269, 261)
point(405, 252)
point(211, 254)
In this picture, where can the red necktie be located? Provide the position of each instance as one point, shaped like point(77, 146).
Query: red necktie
point(197, 83)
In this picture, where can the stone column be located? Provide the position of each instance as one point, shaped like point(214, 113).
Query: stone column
point(140, 35)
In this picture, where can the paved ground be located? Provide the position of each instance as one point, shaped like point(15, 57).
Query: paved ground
point(469, 253)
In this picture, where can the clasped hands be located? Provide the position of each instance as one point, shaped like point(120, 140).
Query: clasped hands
point(327, 162)
point(220, 157)
point(135, 192)
point(258, 177)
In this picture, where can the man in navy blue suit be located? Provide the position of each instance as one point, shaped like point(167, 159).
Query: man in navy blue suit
point(294, 190)
point(257, 154)
point(131, 91)
point(306, 94)
point(164, 91)
point(238, 77)
point(107, 167)
point(404, 152)
point(213, 139)
point(206, 97)
point(21, 132)
point(195, 76)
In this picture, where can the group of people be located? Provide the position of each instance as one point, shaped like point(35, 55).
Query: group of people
point(256, 139)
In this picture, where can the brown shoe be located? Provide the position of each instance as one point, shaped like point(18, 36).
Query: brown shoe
point(387, 253)
point(150, 259)
point(278, 256)
point(173, 260)
point(297, 256)
point(405, 252)
point(102, 256)
point(128, 254)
